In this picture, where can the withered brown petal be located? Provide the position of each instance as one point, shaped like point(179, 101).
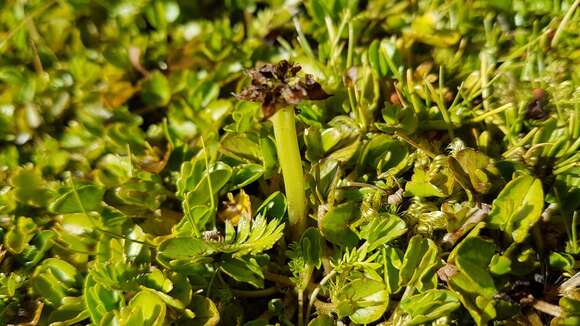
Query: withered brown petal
point(267, 71)
point(257, 77)
point(280, 69)
point(294, 70)
point(252, 93)
point(293, 94)
point(313, 89)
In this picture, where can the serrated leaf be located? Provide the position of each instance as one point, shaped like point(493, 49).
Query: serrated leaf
point(252, 237)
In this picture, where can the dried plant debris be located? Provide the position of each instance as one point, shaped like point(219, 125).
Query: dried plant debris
point(319, 162)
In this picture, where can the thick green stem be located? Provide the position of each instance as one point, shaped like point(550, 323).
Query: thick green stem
point(291, 164)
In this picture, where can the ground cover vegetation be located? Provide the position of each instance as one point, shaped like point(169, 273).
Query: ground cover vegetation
point(246, 162)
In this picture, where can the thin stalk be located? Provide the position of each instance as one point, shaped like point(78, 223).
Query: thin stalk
point(291, 164)
point(302, 40)
point(25, 21)
point(483, 80)
point(490, 113)
point(315, 292)
point(574, 234)
point(564, 22)
point(413, 143)
point(300, 307)
point(350, 48)
point(209, 184)
point(441, 103)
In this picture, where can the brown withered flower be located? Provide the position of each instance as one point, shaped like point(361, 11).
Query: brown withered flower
point(277, 85)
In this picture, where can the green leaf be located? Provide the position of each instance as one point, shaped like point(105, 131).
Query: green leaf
point(398, 119)
point(155, 90)
point(219, 174)
point(518, 207)
point(244, 269)
point(145, 308)
point(268, 148)
point(79, 199)
point(99, 299)
point(472, 282)
point(322, 320)
point(20, 234)
point(421, 187)
point(383, 154)
point(479, 167)
point(245, 174)
point(561, 261)
point(335, 225)
point(29, 186)
point(311, 247)
point(428, 306)
point(382, 229)
point(71, 312)
point(363, 300)
point(274, 206)
point(391, 266)
point(54, 279)
point(419, 263)
point(185, 248)
point(206, 312)
point(306, 255)
point(252, 237)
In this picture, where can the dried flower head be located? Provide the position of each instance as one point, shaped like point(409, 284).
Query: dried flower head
point(277, 85)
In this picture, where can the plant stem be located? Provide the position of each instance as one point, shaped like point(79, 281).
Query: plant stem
point(291, 164)
point(300, 307)
point(563, 23)
point(316, 290)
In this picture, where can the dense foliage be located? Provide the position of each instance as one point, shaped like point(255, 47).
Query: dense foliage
point(436, 175)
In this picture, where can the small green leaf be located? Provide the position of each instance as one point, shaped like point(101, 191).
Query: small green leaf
point(518, 207)
point(99, 299)
point(155, 90)
point(29, 186)
point(185, 248)
point(81, 198)
point(145, 308)
point(429, 305)
point(245, 269)
point(561, 261)
point(20, 234)
point(419, 262)
point(335, 225)
point(206, 312)
point(383, 229)
point(322, 320)
point(245, 174)
point(251, 237)
point(363, 300)
point(420, 185)
point(274, 206)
